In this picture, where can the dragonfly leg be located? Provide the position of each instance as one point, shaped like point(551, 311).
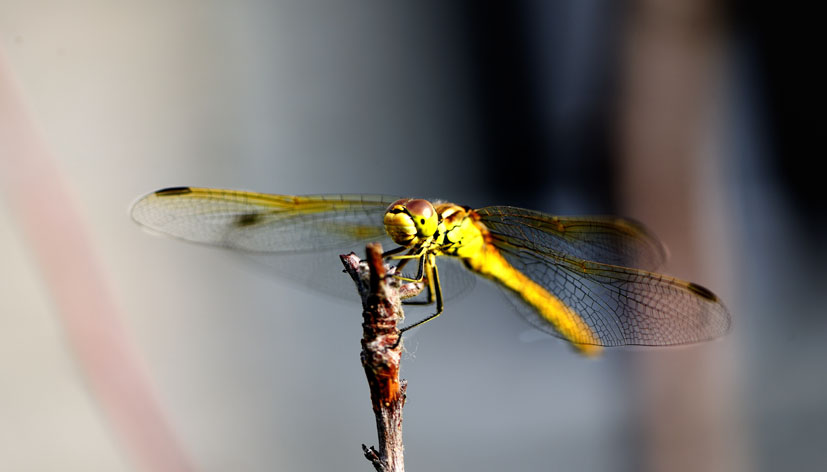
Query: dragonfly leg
point(416, 253)
point(393, 252)
point(420, 271)
point(437, 291)
point(430, 287)
point(413, 254)
point(401, 264)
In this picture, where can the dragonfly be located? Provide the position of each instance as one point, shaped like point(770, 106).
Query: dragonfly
point(589, 280)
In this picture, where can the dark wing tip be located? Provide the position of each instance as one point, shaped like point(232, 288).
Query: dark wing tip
point(169, 191)
point(702, 291)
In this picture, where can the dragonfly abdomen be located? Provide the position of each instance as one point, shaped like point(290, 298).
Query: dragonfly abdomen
point(489, 263)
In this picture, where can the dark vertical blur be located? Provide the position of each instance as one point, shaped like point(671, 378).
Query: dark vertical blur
point(606, 107)
point(548, 81)
point(788, 80)
point(543, 82)
point(784, 219)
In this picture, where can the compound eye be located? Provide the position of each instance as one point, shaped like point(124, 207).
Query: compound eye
point(398, 206)
point(419, 208)
point(423, 215)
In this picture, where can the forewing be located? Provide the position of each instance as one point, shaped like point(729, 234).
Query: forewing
point(258, 222)
point(297, 238)
point(623, 306)
point(604, 239)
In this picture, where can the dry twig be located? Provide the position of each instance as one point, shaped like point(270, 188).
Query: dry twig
point(381, 352)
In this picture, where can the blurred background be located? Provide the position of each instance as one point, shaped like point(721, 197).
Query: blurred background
point(121, 351)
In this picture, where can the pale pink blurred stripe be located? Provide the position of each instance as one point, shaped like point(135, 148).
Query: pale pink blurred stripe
point(671, 80)
point(54, 230)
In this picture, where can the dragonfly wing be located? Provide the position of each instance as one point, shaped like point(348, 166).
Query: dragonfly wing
point(456, 281)
point(606, 239)
point(258, 222)
point(622, 306)
point(297, 238)
point(322, 272)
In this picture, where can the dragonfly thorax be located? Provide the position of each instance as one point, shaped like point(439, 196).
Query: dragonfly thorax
point(458, 233)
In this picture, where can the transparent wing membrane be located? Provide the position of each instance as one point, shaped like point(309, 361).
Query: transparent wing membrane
point(298, 238)
point(606, 239)
point(623, 306)
point(261, 222)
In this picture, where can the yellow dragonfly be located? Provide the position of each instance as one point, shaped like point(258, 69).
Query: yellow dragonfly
point(588, 280)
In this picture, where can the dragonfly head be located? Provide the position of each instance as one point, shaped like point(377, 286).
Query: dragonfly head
point(410, 221)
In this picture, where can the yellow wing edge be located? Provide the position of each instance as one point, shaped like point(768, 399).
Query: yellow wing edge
point(275, 201)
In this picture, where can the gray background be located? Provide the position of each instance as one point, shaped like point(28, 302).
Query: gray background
point(322, 97)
